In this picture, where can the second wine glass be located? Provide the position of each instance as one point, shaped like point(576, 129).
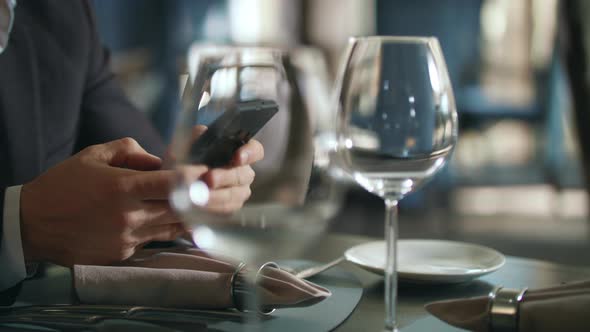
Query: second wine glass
point(396, 126)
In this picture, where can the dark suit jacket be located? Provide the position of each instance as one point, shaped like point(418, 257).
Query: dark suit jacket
point(57, 94)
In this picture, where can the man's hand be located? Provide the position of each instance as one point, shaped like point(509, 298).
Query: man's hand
point(103, 203)
point(230, 186)
point(98, 206)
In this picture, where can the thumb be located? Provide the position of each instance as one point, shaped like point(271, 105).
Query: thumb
point(170, 158)
point(127, 153)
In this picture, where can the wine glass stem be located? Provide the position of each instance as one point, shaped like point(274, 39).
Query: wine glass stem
point(391, 264)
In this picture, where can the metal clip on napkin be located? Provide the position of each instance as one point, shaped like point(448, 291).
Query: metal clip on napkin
point(504, 308)
point(242, 290)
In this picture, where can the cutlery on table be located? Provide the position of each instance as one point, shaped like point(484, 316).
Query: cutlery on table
point(314, 270)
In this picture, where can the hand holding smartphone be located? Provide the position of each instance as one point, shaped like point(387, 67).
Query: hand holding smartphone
point(234, 128)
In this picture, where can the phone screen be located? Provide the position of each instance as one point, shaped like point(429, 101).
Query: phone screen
point(234, 128)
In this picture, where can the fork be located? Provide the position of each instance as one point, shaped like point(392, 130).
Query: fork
point(312, 271)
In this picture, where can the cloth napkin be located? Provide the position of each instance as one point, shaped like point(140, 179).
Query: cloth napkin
point(561, 308)
point(186, 278)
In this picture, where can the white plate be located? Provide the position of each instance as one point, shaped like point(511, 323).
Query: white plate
point(429, 261)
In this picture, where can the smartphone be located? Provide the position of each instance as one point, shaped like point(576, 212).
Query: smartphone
point(234, 128)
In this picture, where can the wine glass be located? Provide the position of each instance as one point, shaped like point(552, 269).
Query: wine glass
point(396, 126)
point(290, 202)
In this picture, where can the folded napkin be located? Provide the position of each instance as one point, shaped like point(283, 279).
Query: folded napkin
point(187, 278)
point(560, 308)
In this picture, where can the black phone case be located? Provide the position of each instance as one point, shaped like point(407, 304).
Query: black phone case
point(234, 128)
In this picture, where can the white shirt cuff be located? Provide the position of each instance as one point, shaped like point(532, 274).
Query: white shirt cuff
point(12, 257)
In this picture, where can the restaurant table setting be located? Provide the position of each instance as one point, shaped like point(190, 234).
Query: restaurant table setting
point(387, 139)
point(189, 290)
point(356, 300)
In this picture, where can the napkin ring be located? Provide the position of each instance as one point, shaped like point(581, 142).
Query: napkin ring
point(242, 291)
point(504, 308)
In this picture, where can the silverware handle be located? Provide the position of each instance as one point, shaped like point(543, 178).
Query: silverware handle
point(306, 273)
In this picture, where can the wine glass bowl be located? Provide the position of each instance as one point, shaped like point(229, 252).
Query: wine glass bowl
point(398, 123)
point(291, 201)
point(395, 126)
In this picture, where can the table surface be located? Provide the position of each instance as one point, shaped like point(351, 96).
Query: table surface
point(368, 316)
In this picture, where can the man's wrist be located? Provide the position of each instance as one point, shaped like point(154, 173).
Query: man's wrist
point(11, 249)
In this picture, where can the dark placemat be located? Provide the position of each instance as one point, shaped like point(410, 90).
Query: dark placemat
point(430, 323)
point(325, 316)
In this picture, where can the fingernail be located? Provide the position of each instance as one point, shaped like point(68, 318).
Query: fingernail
point(244, 157)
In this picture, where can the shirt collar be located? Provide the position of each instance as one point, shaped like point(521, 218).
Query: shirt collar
point(6, 22)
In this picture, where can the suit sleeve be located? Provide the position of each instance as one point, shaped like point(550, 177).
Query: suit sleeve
point(106, 112)
point(7, 296)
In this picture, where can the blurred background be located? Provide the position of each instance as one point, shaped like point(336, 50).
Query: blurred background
point(516, 181)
